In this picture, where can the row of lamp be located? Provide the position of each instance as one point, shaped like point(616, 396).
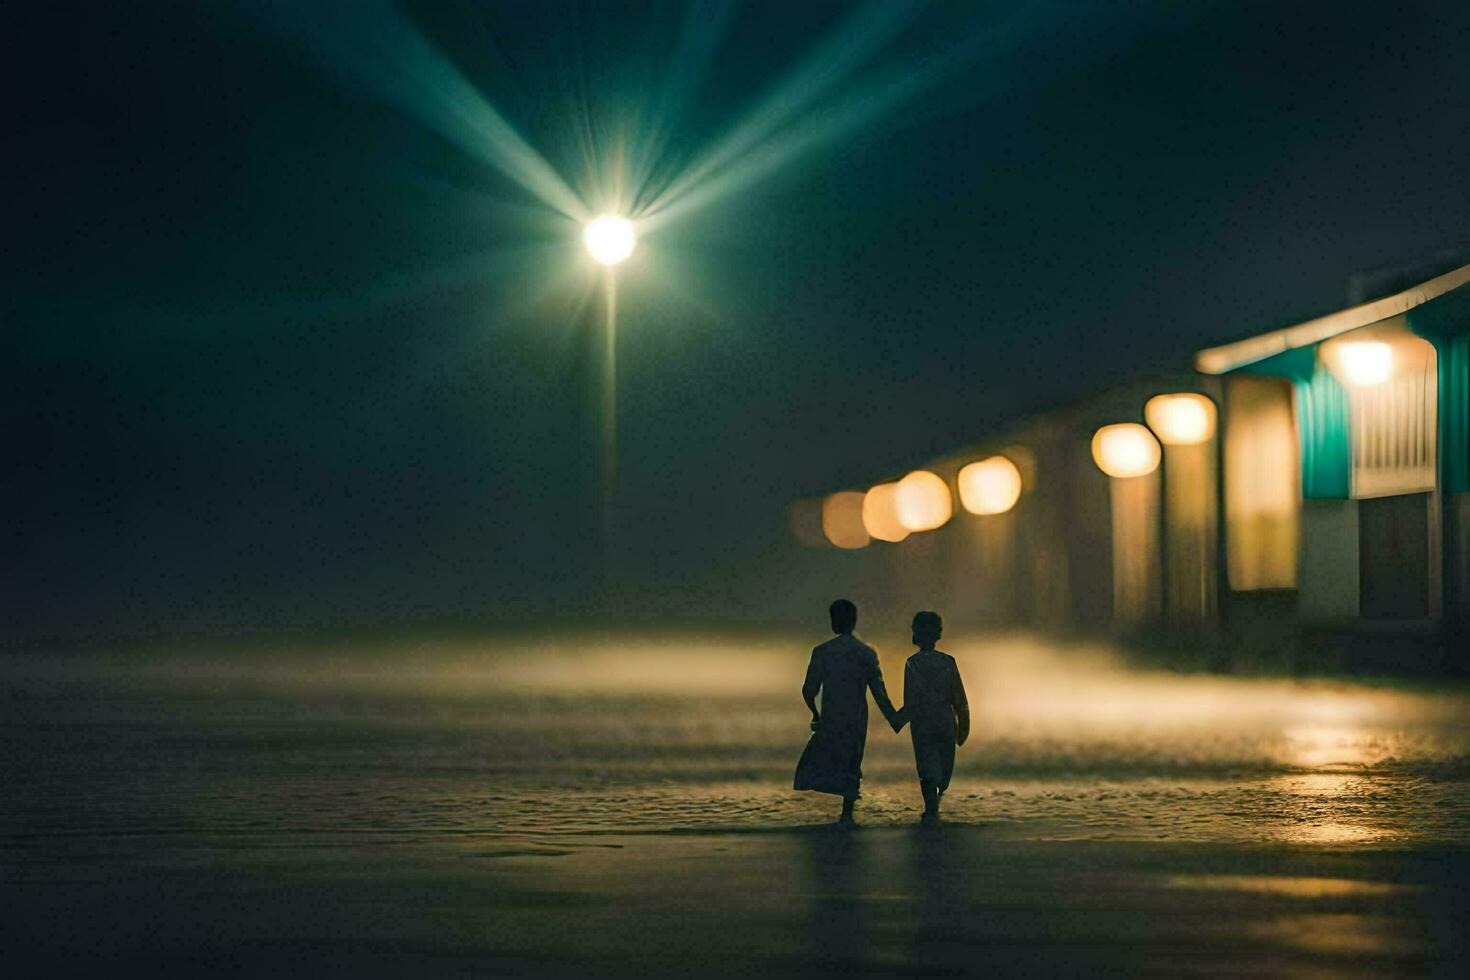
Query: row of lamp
point(1128, 453)
point(921, 501)
point(1128, 449)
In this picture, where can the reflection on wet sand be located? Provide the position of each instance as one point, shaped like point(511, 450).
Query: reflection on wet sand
point(1327, 808)
point(936, 906)
point(1340, 934)
point(837, 881)
point(1336, 833)
point(1293, 887)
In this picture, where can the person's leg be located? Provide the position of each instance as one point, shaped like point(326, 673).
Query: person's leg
point(946, 770)
point(854, 787)
point(931, 799)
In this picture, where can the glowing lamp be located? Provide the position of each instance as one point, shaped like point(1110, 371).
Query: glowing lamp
point(842, 520)
point(1126, 449)
point(1364, 362)
point(880, 516)
point(991, 486)
point(922, 501)
point(1181, 420)
point(610, 238)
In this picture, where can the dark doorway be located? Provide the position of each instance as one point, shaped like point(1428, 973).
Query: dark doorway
point(1393, 556)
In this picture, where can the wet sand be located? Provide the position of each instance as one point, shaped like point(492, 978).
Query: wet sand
point(621, 807)
point(802, 901)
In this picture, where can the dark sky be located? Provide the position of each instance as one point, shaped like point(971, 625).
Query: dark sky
point(269, 360)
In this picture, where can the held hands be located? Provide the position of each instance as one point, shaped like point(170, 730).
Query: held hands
point(899, 719)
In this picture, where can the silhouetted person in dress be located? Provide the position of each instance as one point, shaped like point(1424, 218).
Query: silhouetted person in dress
point(937, 709)
point(843, 670)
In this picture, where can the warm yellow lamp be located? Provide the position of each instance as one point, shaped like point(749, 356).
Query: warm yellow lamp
point(1125, 449)
point(880, 514)
point(1362, 362)
point(1184, 419)
point(990, 486)
point(922, 501)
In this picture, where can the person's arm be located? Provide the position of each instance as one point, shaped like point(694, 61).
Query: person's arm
point(880, 694)
point(908, 685)
point(813, 685)
point(961, 705)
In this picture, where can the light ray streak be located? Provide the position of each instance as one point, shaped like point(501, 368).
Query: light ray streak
point(705, 25)
point(858, 108)
point(830, 64)
point(591, 144)
point(380, 49)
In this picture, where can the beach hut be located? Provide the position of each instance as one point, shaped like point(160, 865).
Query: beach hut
point(1346, 457)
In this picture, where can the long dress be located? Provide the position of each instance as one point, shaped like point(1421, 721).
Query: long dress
point(843, 669)
point(938, 712)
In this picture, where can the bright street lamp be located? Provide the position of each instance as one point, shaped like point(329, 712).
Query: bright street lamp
point(610, 238)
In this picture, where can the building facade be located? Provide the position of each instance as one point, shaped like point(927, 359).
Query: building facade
point(1310, 483)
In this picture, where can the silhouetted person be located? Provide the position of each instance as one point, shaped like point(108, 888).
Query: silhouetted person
point(936, 708)
point(843, 670)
